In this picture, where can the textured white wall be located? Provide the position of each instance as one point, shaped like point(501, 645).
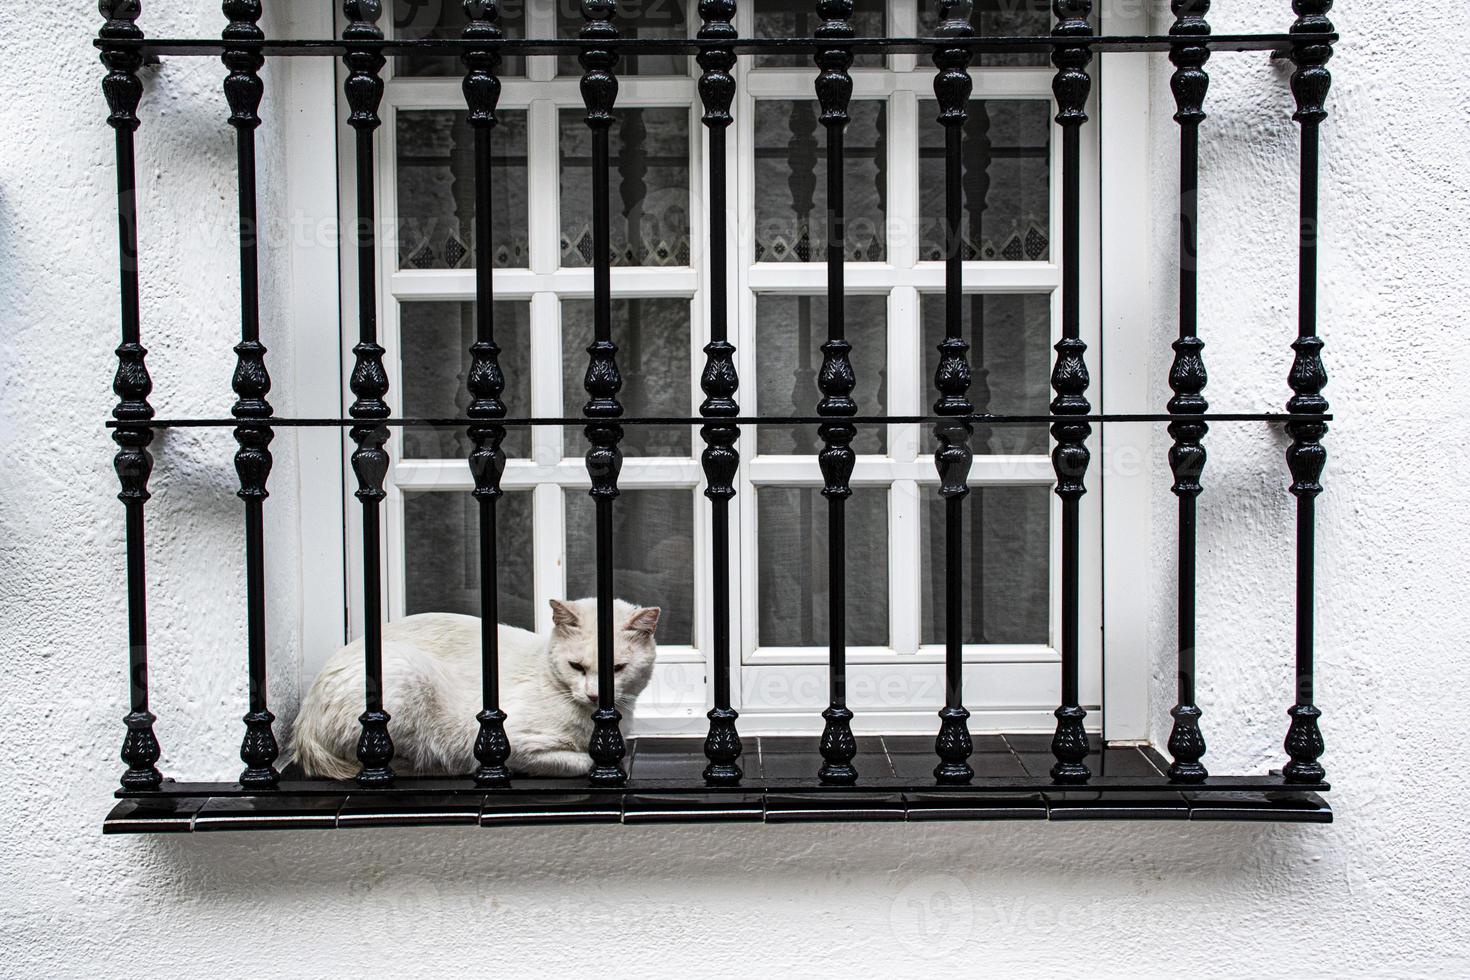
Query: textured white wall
point(1381, 893)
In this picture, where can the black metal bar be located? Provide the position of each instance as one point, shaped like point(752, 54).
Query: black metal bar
point(486, 384)
point(195, 47)
point(133, 462)
point(980, 786)
point(953, 457)
point(251, 383)
point(836, 381)
point(1269, 418)
point(604, 457)
point(1069, 380)
point(1306, 457)
point(719, 382)
point(364, 89)
point(1187, 376)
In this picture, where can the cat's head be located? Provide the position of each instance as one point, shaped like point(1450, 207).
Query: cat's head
point(573, 649)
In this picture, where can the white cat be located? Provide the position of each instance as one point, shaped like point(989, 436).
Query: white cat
point(431, 689)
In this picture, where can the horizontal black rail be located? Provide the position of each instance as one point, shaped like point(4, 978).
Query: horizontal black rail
point(534, 786)
point(1278, 418)
point(207, 47)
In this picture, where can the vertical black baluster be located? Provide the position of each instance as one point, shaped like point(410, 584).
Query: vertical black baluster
point(1187, 375)
point(604, 457)
point(133, 462)
point(1069, 378)
point(243, 91)
point(836, 381)
point(720, 382)
point(364, 89)
point(486, 384)
point(952, 88)
point(1306, 457)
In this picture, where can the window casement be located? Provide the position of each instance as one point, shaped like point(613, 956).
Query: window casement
point(897, 517)
point(660, 280)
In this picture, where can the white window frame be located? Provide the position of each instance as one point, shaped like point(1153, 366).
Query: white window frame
point(1009, 688)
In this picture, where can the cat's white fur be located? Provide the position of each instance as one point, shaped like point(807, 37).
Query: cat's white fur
point(431, 690)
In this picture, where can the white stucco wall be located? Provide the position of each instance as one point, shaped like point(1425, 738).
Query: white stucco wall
point(1381, 893)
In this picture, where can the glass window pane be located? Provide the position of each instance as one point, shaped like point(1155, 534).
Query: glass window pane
point(794, 587)
point(639, 18)
point(653, 554)
point(790, 331)
point(436, 190)
point(1001, 18)
point(653, 357)
point(1007, 540)
point(435, 340)
point(442, 555)
point(415, 19)
point(1006, 168)
point(790, 171)
point(1010, 361)
point(782, 18)
point(649, 151)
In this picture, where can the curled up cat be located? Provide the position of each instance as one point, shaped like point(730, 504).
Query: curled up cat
point(431, 689)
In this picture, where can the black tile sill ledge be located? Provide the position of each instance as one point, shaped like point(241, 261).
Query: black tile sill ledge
point(665, 786)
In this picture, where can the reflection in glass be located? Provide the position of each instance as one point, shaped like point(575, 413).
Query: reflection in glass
point(793, 581)
point(436, 190)
point(790, 331)
point(790, 174)
point(416, 19)
point(632, 18)
point(434, 339)
point(782, 18)
point(653, 357)
point(1006, 173)
point(649, 151)
point(1001, 18)
point(1010, 360)
point(653, 554)
point(1007, 565)
point(441, 545)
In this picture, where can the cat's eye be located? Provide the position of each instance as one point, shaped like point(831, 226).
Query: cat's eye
point(579, 668)
point(619, 668)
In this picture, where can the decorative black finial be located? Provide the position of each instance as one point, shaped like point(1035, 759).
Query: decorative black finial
point(243, 87)
point(481, 81)
point(599, 84)
point(1311, 80)
point(1189, 81)
point(121, 86)
point(1072, 84)
point(364, 86)
point(716, 84)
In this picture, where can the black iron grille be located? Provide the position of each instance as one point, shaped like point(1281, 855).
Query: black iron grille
point(853, 777)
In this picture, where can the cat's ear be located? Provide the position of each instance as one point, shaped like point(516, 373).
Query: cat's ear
point(563, 617)
point(644, 621)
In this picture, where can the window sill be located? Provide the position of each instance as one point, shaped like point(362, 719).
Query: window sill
point(664, 786)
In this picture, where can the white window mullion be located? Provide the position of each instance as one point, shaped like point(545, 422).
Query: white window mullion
point(546, 394)
point(541, 23)
point(543, 187)
point(549, 550)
